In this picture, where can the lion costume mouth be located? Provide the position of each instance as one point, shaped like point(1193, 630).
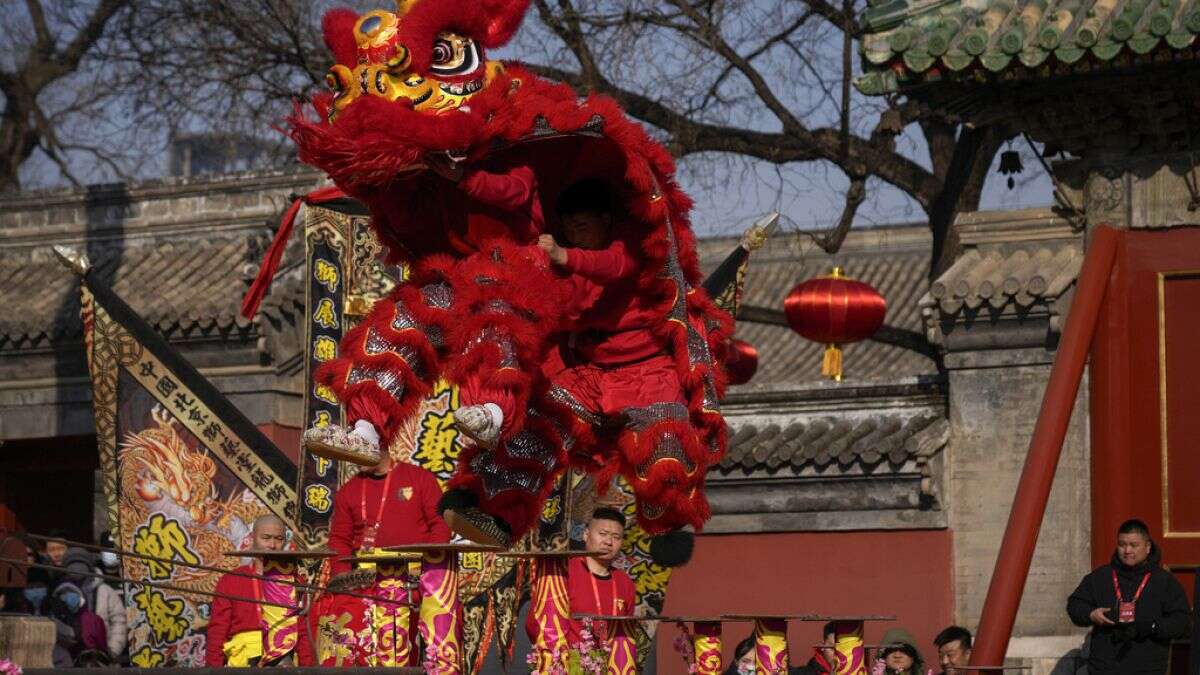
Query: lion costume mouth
point(461, 88)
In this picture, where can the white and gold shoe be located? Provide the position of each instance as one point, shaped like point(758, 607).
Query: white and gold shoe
point(341, 443)
point(480, 423)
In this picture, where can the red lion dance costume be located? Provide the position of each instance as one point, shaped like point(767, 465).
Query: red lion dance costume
point(480, 307)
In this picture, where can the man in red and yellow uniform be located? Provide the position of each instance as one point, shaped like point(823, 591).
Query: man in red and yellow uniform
point(390, 504)
point(594, 585)
point(243, 634)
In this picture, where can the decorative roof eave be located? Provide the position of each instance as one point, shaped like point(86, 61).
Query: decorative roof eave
point(871, 443)
point(908, 46)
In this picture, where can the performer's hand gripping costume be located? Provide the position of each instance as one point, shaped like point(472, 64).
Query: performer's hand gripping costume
point(482, 306)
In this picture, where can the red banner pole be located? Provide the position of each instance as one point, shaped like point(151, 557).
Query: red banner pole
point(1045, 447)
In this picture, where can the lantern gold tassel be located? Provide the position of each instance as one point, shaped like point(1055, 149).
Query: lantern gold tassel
point(831, 367)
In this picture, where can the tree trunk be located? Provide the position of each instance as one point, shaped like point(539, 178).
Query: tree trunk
point(17, 141)
point(961, 191)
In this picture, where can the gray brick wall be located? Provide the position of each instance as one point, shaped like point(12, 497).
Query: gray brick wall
point(992, 413)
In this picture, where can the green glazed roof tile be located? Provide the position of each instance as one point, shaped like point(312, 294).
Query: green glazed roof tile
point(1107, 49)
point(1180, 39)
point(957, 60)
point(928, 36)
point(1069, 54)
point(1032, 58)
point(918, 60)
point(1144, 44)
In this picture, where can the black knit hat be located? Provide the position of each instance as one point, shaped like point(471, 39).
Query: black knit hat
point(37, 575)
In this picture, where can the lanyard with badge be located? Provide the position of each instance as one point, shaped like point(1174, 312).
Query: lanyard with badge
point(1126, 610)
point(602, 626)
point(370, 530)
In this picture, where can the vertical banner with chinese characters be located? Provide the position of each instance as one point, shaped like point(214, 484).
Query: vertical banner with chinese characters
point(185, 475)
point(325, 246)
point(345, 274)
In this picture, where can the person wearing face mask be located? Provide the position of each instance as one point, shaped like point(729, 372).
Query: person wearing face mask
point(87, 627)
point(99, 597)
point(36, 600)
point(33, 596)
point(110, 562)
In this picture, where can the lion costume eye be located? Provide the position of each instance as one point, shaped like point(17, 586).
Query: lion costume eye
point(454, 55)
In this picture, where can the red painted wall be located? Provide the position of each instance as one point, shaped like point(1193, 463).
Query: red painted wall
point(286, 439)
point(907, 574)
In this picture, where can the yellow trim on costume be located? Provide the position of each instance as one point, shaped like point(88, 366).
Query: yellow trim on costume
point(242, 647)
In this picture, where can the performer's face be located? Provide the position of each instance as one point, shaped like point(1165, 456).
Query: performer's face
point(604, 537)
point(269, 536)
point(587, 230)
point(828, 651)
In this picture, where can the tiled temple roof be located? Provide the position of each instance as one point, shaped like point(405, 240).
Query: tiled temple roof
point(997, 278)
point(186, 288)
point(908, 43)
point(844, 440)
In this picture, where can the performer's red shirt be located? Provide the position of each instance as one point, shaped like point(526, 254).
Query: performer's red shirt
point(409, 516)
point(614, 319)
point(230, 617)
point(437, 216)
point(612, 595)
point(501, 205)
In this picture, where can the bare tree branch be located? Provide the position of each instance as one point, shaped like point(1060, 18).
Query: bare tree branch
point(831, 241)
point(711, 34)
point(37, 16)
point(835, 16)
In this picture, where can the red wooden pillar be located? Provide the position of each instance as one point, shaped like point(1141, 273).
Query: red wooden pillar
point(1045, 447)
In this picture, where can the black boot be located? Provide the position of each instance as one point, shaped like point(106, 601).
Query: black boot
point(673, 548)
point(460, 510)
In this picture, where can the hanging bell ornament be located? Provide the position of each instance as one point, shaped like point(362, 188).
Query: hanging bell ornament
point(1010, 164)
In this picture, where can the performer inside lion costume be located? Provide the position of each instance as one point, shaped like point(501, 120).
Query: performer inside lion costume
point(462, 161)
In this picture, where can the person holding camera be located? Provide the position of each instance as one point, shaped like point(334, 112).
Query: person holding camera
point(1133, 606)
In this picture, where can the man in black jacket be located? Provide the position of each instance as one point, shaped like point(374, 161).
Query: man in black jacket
point(1134, 606)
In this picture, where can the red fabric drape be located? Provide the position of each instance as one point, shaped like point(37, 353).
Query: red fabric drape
point(262, 283)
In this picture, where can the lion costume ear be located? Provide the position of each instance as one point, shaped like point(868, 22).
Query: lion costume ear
point(503, 19)
point(490, 23)
point(338, 29)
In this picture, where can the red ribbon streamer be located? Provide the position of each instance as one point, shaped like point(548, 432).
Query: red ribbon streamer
point(266, 273)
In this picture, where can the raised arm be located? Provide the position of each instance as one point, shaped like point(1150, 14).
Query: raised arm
point(510, 191)
point(603, 266)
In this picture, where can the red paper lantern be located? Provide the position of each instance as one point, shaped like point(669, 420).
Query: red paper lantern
point(834, 310)
point(741, 362)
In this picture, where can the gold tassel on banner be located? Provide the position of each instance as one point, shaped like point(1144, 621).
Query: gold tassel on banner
point(831, 367)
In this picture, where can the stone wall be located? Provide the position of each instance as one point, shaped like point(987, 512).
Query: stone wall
point(997, 314)
point(154, 243)
point(994, 403)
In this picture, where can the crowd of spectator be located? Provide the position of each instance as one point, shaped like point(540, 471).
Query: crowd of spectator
point(1134, 607)
point(88, 611)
